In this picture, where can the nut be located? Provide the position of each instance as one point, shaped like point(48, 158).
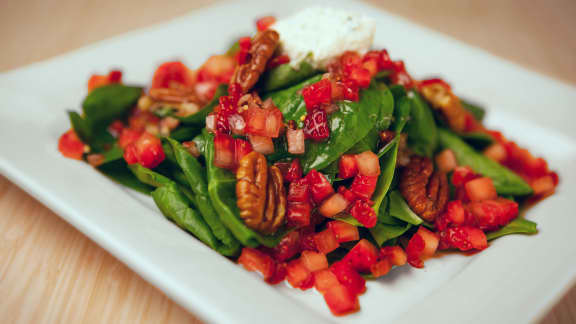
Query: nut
point(261, 50)
point(425, 190)
point(443, 99)
point(260, 192)
point(173, 95)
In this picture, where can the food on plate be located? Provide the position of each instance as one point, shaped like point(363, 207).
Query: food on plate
point(309, 157)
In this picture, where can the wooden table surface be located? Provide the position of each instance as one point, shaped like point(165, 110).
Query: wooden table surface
point(50, 272)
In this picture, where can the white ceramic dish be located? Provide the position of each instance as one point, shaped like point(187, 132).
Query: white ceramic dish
point(516, 280)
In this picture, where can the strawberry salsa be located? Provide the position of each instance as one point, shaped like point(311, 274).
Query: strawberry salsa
point(323, 176)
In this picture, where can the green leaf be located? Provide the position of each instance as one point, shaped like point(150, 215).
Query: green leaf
point(196, 177)
point(184, 133)
point(148, 176)
point(387, 170)
point(517, 226)
point(478, 140)
point(118, 172)
point(199, 118)
point(200, 141)
point(400, 209)
point(505, 181)
point(421, 129)
point(284, 76)
point(105, 104)
point(350, 220)
point(348, 125)
point(384, 232)
point(477, 111)
point(80, 126)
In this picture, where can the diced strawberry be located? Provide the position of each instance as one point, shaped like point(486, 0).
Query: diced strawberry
point(263, 23)
point(347, 166)
point(347, 194)
point(294, 172)
point(298, 275)
point(277, 61)
point(464, 238)
point(364, 186)
point(326, 241)
point(217, 68)
point(298, 214)
point(245, 43)
point(130, 155)
point(341, 301)
point(454, 214)
point(364, 213)
point(362, 256)
point(115, 76)
point(139, 120)
point(368, 164)
point(241, 149)
point(421, 246)
point(295, 139)
point(543, 186)
point(97, 81)
point(351, 91)
point(463, 174)
point(496, 152)
point(492, 214)
point(350, 60)
point(116, 128)
point(395, 254)
point(307, 242)
point(288, 247)
point(324, 280)
point(224, 155)
point(314, 261)
point(333, 205)
point(480, 189)
point(256, 119)
point(371, 66)
point(316, 125)
point(279, 275)
point(254, 260)
point(274, 122)
point(70, 145)
point(380, 268)
point(320, 187)
point(299, 191)
point(343, 231)
point(149, 150)
point(171, 74)
point(446, 160)
point(348, 277)
point(360, 76)
point(317, 94)
point(261, 144)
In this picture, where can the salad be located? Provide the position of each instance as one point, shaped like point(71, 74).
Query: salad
point(305, 155)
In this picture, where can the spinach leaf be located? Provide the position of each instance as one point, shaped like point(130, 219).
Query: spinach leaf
point(421, 129)
point(99, 140)
point(351, 123)
point(199, 118)
point(222, 192)
point(478, 140)
point(148, 176)
point(107, 103)
point(385, 232)
point(477, 111)
point(505, 181)
point(400, 209)
point(81, 127)
point(176, 207)
point(350, 220)
point(195, 175)
point(200, 141)
point(118, 171)
point(185, 133)
point(290, 101)
point(517, 226)
point(284, 76)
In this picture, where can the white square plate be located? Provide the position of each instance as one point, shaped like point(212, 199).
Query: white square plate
point(515, 280)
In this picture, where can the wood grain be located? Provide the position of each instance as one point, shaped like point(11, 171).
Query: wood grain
point(51, 273)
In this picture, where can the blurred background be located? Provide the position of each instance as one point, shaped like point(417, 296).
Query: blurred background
point(538, 34)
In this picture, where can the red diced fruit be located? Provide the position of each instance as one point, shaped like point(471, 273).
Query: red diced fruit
point(462, 174)
point(299, 191)
point(70, 145)
point(171, 74)
point(298, 275)
point(288, 247)
point(362, 256)
point(544, 186)
point(314, 261)
point(454, 213)
point(421, 246)
point(130, 155)
point(237, 124)
point(256, 119)
point(347, 166)
point(278, 60)
point(464, 238)
point(326, 241)
point(380, 268)
point(492, 214)
point(316, 125)
point(446, 161)
point(395, 254)
point(294, 171)
point(262, 144)
point(324, 280)
point(368, 164)
point(273, 122)
point(347, 194)
point(147, 150)
point(333, 205)
point(296, 141)
point(317, 94)
point(254, 260)
point(298, 214)
point(343, 231)
point(307, 238)
point(241, 149)
point(364, 213)
point(360, 76)
point(349, 277)
point(279, 274)
point(263, 23)
point(481, 189)
point(341, 301)
point(496, 152)
point(224, 155)
point(364, 186)
point(217, 69)
point(320, 187)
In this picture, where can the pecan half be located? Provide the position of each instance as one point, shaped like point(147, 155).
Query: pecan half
point(261, 50)
point(443, 99)
point(425, 190)
point(260, 193)
point(173, 95)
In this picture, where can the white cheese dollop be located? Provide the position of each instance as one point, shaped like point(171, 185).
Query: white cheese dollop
point(319, 35)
